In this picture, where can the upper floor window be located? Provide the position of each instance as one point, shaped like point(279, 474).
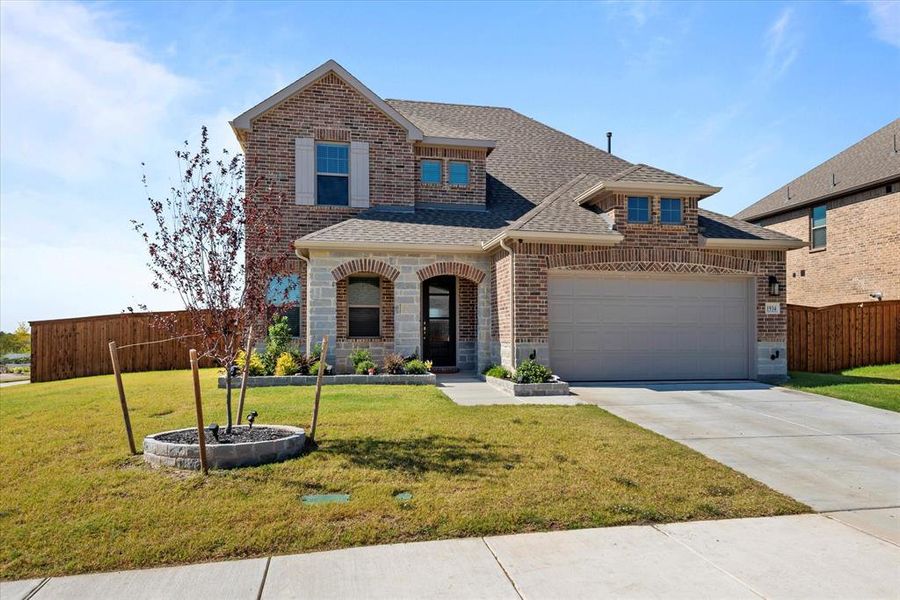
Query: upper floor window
point(817, 236)
point(332, 174)
point(430, 171)
point(670, 211)
point(459, 173)
point(638, 209)
point(364, 307)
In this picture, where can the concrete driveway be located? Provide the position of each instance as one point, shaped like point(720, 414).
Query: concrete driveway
point(830, 454)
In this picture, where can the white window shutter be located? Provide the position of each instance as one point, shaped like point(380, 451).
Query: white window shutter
point(359, 174)
point(305, 171)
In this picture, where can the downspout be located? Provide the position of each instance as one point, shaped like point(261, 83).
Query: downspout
point(306, 325)
point(512, 299)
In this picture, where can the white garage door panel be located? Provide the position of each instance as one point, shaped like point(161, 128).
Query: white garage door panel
point(618, 328)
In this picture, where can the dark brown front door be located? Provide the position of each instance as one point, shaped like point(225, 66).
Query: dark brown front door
point(439, 320)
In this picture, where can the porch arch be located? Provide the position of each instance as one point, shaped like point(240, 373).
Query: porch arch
point(365, 265)
point(451, 268)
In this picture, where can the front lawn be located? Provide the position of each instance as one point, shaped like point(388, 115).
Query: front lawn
point(72, 500)
point(877, 386)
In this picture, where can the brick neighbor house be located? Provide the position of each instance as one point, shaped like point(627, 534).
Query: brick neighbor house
point(848, 208)
point(473, 235)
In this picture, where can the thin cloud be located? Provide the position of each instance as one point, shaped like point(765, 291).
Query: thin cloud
point(76, 102)
point(885, 17)
point(782, 45)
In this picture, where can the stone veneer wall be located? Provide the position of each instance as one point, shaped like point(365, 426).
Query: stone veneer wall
point(407, 312)
point(861, 256)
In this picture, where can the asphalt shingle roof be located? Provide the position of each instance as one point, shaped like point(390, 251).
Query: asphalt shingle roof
point(534, 174)
point(715, 226)
point(871, 160)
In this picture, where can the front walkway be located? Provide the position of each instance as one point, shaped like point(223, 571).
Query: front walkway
point(467, 389)
point(795, 556)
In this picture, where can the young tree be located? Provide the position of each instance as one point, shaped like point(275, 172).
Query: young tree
point(197, 245)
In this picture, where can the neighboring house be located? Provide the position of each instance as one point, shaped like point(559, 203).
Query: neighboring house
point(848, 209)
point(474, 235)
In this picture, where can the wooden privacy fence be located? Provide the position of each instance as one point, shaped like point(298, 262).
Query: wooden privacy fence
point(843, 336)
point(78, 347)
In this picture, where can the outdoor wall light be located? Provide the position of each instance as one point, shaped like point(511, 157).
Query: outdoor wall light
point(774, 286)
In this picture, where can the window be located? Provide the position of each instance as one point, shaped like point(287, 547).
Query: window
point(817, 235)
point(332, 174)
point(670, 211)
point(283, 298)
point(430, 171)
point(459, 173)
point(638, 209)
point(364, 306)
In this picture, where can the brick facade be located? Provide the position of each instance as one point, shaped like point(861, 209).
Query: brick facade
point(329, 110)
point(472, 195)
point(487, 329)
point(533, 263)
point(862, 253)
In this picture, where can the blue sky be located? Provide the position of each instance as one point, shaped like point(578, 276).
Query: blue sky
point(740, 95)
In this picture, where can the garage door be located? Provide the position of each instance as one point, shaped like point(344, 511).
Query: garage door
point(610, 327)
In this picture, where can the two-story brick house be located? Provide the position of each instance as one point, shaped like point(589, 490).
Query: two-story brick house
point(848, 209)
point(474, 235)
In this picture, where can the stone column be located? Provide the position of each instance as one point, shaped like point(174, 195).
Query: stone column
point(408, 310)
point(322, 303)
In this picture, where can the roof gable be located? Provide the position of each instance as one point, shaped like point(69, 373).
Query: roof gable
point(243, 122)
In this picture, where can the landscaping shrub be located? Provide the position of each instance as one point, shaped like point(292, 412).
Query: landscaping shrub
point(363, 366)
point(286, 364)
point(257, 366)
point(316, 353)
point(393, 364)
point(360, 355)
point(417, 367)
point(498, 371)
point(531, 371)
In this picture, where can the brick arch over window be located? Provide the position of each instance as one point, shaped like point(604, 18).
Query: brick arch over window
point(365, 265)
point(667, 260)
point(451, 268)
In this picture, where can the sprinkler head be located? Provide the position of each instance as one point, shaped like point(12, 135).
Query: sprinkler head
point(214, 429)
point(251, 416)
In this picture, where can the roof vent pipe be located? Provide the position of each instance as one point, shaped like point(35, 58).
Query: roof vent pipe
point(609, 142)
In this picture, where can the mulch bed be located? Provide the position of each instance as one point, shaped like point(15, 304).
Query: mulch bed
point(238, 435)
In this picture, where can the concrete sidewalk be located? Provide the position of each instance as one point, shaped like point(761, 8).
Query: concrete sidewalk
point(801, 556)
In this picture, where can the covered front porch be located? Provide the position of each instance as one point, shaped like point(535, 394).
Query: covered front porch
point(435, 306)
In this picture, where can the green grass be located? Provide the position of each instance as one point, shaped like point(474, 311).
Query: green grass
point(73, 500)
point(877, 386)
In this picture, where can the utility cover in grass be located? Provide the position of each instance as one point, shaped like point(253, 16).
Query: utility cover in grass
point(326, 498)
point(403, 496)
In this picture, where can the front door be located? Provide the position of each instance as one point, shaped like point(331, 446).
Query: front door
point(439, 320)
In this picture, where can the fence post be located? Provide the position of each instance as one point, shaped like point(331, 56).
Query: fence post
point(114, 356)
point(201, 436)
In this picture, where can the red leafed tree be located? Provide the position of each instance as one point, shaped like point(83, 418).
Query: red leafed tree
point(197, 244)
